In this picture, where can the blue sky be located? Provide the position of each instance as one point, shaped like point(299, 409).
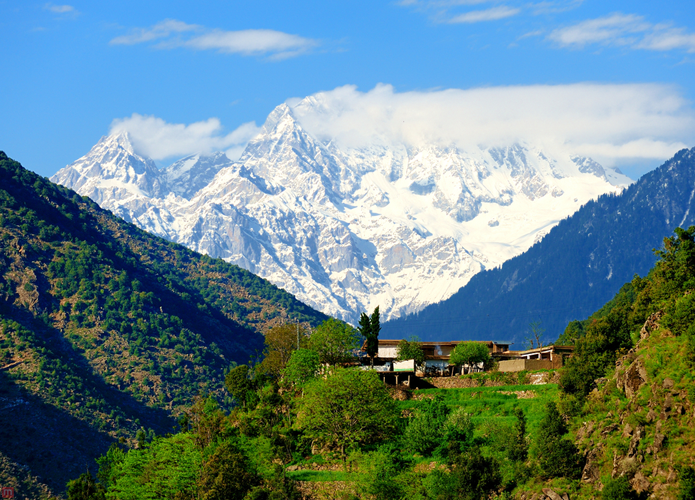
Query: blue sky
point(205, 74)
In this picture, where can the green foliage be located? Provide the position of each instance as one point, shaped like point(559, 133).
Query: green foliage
point(167, 468)
point(574, 331)
point(85, 488)
point(619, 489)
point(278, 487)
point(384, 473)
point(596, 351)
point(610, 330)
point(348, 409)
point(470, 353)
point(518, 449)
point(302, 367)
point(334, 341)
point(280, 342)
point(557, 455)
point(687, 484)
point(472, 477)
point(425, 433)
point(238, 383)
point(227, 474)
point(410, 349)
point(369, 328)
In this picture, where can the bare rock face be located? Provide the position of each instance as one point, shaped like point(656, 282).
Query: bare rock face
point(591, 472)
point(633, 378)
point(650, 325)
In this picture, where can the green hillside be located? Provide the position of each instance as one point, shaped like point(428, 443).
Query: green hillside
point(106, 330)
point(619, 425)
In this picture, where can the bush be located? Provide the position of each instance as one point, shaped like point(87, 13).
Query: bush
point(619, 489)
point(557, 456)
point(472, 477)
point(687, 484)
point(425, 433)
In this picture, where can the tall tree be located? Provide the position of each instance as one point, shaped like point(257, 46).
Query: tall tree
point(410, 349)
point(349, 408)
point(280, 342)
point(365, 329)
point(369, 327)
point(470, 353)
point(334, 341)
point(373, 340)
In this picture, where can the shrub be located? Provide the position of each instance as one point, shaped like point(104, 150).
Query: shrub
point(619, 489)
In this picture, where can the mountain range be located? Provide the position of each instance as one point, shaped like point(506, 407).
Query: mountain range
point(580, 265)
point(347, 225)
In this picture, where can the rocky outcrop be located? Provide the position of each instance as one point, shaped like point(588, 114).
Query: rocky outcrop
point(632, 439)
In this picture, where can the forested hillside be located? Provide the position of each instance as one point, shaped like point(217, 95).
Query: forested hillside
point(106, 330)
point(571, 272)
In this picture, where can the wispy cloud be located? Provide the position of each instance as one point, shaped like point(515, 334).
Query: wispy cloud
point(158, 139)
point(491, 14)
point(163, 29)
point(626, 30)
point(460, 11)
point(171, 33)
point(59, 9)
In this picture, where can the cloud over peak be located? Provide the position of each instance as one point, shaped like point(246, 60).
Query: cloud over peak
point(611, 122)
point(153, 137)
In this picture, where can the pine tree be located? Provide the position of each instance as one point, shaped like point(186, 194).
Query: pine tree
point(369, 327)
point(373, 340)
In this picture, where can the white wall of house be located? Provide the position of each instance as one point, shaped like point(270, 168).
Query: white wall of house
point(388, 352)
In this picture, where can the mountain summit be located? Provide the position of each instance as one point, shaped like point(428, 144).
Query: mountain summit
point(347, 225)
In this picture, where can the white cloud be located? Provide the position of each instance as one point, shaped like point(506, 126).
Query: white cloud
point(609, 122)
point(667, 38)
point(162, 29)
point(491, 14)
point(457, 11)
point(250, 42)
point(627, 30)
point(59, 9)
point(172, 33)
point(159, 140)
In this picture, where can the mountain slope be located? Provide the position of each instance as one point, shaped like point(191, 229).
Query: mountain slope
point(345, 226)
point(106, 329)
point(571, 272)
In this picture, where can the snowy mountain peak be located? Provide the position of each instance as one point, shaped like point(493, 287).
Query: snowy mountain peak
point(118, 140)
point(344, 224)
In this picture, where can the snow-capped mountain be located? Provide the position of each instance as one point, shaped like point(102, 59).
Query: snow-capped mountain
point(346, 227)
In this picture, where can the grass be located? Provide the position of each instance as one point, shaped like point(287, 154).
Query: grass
point(321, 475)
point(485, 403)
